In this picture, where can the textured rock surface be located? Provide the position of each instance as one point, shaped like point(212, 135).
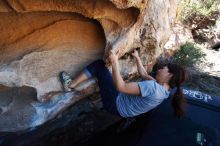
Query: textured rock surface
point(37, 50)
point(39, 38)
point(179, 36)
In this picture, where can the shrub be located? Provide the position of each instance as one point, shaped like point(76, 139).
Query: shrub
point(197, 7)
point(188, 55)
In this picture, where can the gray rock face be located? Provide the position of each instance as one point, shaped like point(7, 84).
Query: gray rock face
point(40, 38)
point(20, 110)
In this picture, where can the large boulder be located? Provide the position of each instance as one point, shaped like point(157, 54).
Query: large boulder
point(39, 38)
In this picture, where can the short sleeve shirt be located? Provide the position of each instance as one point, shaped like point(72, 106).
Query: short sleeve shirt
point(152, 94)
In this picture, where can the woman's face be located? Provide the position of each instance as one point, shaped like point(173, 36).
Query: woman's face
point(163, 74)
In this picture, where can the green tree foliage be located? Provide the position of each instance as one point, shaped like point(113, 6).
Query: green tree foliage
point(197, 7)
point(188, 55)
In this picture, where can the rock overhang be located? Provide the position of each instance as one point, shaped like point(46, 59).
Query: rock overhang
point(39, 39)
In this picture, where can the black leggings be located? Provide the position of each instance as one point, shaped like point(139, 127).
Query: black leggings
point(108, 91)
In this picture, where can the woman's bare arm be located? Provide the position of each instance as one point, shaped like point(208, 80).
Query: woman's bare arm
point(120, 84)
point(141, 69)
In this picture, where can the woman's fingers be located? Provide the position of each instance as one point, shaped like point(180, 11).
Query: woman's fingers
point(111, 52)
point(135, 53)
point(112, 56)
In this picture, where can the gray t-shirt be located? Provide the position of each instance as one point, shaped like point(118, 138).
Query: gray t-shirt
point(152, 94)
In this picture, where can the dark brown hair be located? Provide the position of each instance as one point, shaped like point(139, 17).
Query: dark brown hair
point(179, 76)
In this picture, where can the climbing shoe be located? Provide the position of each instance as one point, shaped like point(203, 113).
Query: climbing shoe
point(65, 80)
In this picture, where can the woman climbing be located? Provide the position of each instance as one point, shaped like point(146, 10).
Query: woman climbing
point(132, 98)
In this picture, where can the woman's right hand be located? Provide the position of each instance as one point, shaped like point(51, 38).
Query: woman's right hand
point(135, 54)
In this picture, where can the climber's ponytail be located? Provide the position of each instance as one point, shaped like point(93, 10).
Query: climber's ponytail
point(179, 76)
point(178, 101)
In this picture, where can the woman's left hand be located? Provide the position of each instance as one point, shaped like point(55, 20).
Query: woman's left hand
point(112, 57)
